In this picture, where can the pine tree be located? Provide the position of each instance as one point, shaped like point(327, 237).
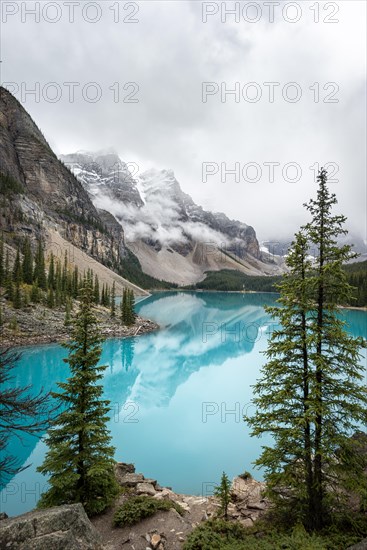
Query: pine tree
point(51, 281)
point(90, 278)
point(286, 375)
point(67, 319)
point(26, 297)
point(17, 269)
point(27, 265)
point(123, 307)
point(9, 292)
point(35, 293)
point(75, 283)
point(310, 397)
point(39, 268)
point(80, 458)
point(113, 300)
point(17, 297)
point(131, 306)
point(51, 298)
point(64, 276)
point(108, 296)
point(335, 353)
point(59, 294)
point(223, 492)
point(127, 307)
point(96, 290)
point(8, 279)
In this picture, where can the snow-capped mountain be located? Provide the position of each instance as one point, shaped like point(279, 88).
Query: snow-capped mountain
point(174, 238)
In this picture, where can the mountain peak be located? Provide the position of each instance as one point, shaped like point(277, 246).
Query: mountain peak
point(157, 214)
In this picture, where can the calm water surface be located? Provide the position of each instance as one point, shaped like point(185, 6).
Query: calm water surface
point(177, 395)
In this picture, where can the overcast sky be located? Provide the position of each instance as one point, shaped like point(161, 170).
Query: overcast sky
point(169, 52)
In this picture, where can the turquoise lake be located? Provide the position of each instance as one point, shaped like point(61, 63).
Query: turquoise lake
point(177, 395)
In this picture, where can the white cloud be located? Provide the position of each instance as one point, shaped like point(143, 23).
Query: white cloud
point(169, 53)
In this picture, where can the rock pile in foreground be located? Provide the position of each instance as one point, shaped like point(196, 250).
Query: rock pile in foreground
point(68, 527)
point(59, 528)
point(168, 530)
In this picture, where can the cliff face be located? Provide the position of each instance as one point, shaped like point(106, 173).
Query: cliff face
point(51, 195)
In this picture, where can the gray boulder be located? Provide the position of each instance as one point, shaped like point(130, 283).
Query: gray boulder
point(59, 528)
point(145, 489)
point(359, 546)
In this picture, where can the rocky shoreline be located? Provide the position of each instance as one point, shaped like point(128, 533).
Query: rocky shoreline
point(169, 530)
point(39, 325)
point(68, 526)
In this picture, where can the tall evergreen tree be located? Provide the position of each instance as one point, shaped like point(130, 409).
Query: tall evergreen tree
point(131, 306)
point(60, 296)
point(51, 281)
point(35, 293)
point(127, 307)
point(80, 458)
point(310, 397)
point(223, 492)
point(8, 278)
point(27, 265)
point(64, 276)
point(75, 283)
point(39, 267)
point(334, 353)
point(123, 307)
point(108, 296)
point(286, 376)
point(96, 290)
point(51, 298)
point(113, 300)
point(17, 297)
point(17, 269)
point(67, 319)
point(103, 296)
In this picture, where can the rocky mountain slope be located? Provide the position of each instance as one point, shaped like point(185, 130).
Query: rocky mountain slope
point(41, 198)
point(174, 238)
point(146, 229)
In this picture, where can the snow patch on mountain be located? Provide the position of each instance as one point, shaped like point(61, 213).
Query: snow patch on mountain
point(173, 237)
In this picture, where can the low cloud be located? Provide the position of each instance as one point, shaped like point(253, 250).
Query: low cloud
point(157, 220)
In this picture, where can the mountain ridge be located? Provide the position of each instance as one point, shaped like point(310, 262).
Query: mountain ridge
point(39, 195)
point(163, 225)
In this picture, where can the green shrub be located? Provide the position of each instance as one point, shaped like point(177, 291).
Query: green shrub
point(215, 534)
point(203, 538)
point(227, 535)
point(137, 508)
